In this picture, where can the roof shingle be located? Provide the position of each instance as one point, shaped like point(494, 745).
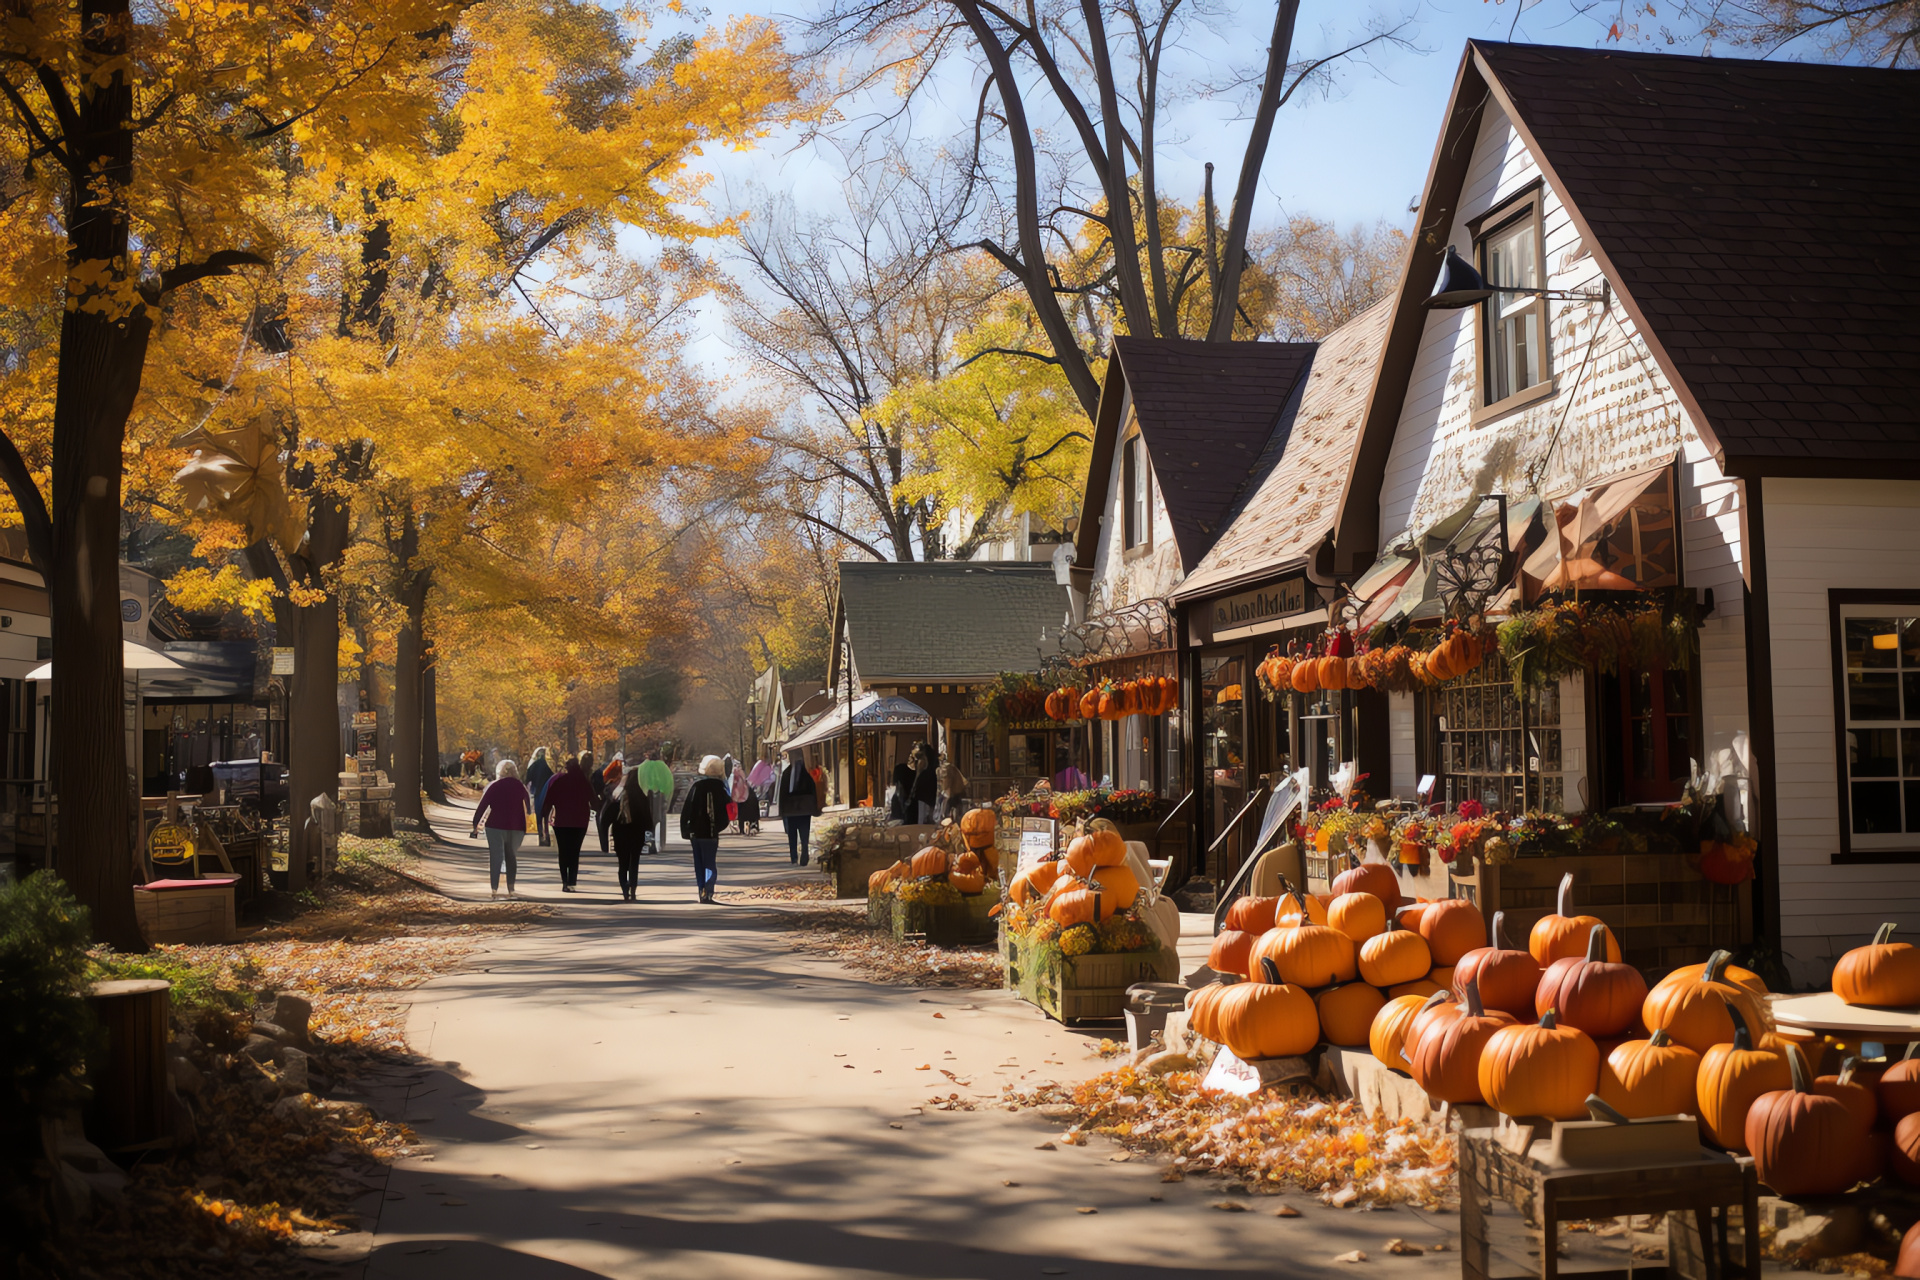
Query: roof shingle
point(948, 619)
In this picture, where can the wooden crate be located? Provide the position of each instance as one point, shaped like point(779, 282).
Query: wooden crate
point(185, 910)
point(1083, 987)
point(947, 924)
point(865, 850)
point(1663, 911)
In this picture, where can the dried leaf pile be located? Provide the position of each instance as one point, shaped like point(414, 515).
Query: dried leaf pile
point(845, 935)
point(1268, 1141)
point(798, 891)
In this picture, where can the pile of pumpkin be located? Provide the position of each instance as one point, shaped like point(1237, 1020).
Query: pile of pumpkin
point(1082, 900)
point(966, 869)
point(1115, 699)
point(1397, 668)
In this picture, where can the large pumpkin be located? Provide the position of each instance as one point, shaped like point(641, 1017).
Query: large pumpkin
point(1803, 1143)
point(1452, 928)
point(1545, 1070)
point(1347, 1012)
point(1376, 878)
point(1732, 1076)
point(1032, 884)
point(1694, 1011)
point(1439, 1010)
point(1598, 997)
point(1231, 952)
point(1903, 1155)
point(1298, 908)
point(1507, 978)
point(1652, 1077)
point(1728, 972)
point(1562, 934)
point(1093, 849)
point(1310, 955)
point(1096, 898)
point(1853, 1094)
point(1388, 1034)
point(1252, 915)
point(1396, 956)
point(977, 827)
point(1446, 1062)
point(1358, 915)
point(1883, 972)
point(930, 861)
point(1263, 1020)
point(1898, 1091)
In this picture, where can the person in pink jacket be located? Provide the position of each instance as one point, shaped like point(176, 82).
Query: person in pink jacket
point(503, 806)
point(566, 807)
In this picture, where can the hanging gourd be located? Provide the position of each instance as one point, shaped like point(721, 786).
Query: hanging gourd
point(1357, 677)
point(1653, 1077)
point(1332, 674)
point(1090, 705)
point(1231, 952)
point(1446, 1061)
point(1305, 675)
point(1358, 915)
point(1695, 1011)
point(1452, 928)
point(1388, 1034)
point(1883, 972)
point(1591, 993)
point(1732, 1076)
point(1394, 956)
point(1309, 955)
point(1545, 1070)
point(1803, 1143)
point(1562, 935)
point(1347, 1011)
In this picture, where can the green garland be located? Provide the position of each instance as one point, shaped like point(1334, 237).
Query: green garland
point(1555, 640)
point(1013, 697)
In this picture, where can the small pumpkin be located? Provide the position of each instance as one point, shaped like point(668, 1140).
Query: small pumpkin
point(1695, 1011)
point(1562, 934)
point(1393, 957)
point(1732, 1076)
point(1388, 1034)
point(1298, 908)
point(1376, 878)
point(1652, 1077)
point(1446, 1061)
point(1252, 915)
point(1309, 955)
point(1347, 1012)
point(1544, 1070)
point(1358, 915)
point(1598, 997)
point(967, 875)
point(1093, 849)
point(1507, 978)
point(930, 861)
point(1452, 927)
point(1883, 972)
point(1357, 677)
point(1333, 673)
point(977, 827)
point(1803, 1143)
point(1305, 676)
point(1854, 1094)
point(1090, 705)
point(1231, 952)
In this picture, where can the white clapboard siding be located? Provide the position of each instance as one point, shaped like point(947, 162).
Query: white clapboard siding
point(1117, 579)
point(1400, 735)
point(1823, 535)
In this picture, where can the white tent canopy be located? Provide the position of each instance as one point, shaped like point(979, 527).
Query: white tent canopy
point(870, 711)
point(133, 657)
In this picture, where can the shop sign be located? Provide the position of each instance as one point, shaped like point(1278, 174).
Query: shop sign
point(1250, 610)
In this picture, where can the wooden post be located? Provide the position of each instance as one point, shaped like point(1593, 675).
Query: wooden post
point(129, 1079)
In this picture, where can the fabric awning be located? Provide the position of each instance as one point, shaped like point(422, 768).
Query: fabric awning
point(1620, 535)
point(133, 657)
point(870, 711)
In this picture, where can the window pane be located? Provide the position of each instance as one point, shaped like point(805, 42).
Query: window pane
point(1870, 753)
point(1872, 642)
point(1910, 751)
point(1913, 806)
point(1910, 642)
point(1873, 697)
point(1912, 682)
point(1876, 808)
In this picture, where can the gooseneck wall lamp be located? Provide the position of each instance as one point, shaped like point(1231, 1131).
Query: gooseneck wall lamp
point(1461, 285)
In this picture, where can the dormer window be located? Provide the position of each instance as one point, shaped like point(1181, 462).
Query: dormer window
point(1514, 325)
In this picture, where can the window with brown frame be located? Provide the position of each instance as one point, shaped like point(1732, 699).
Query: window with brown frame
point(1137, 510)
point(1511, 247)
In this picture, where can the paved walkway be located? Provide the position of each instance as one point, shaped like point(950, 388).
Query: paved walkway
point(668, 1090)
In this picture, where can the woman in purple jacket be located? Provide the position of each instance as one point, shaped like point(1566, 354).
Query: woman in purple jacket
point(565, 807)
point(503, 807)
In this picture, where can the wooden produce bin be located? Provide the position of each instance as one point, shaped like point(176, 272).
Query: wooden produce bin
point(186, 910)
point(1083, 987)
point(1663, 911)
point(865, 850)
point(950, 924)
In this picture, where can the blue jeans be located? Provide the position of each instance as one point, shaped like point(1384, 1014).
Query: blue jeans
point(799, 827)
point(705, 871)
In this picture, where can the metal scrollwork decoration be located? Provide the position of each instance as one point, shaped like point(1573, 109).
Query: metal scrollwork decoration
point(1467, 577)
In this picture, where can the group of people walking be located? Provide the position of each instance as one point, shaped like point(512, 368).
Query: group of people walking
point(925, 790)
point(629, 807)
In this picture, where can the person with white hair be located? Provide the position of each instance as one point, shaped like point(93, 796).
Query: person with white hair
point(503, 807)
point(703, 816)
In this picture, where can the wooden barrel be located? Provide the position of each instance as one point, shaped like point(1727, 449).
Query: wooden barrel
point(129, 1078)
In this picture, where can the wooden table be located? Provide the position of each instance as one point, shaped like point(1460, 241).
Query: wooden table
point(1707, 1187)
point(1825, 1013)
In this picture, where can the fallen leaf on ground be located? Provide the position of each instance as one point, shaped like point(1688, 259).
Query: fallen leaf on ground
point(1005, 1182)
point(894, 1124)
point(1353, 1256)
point(939, 1015)
point(1286, 1211)
point(1045, 1146)
point(1230, 1206)
point(1086, 1208)
point(1403, 1249)
point(925, 1066)
point(1122, 1158)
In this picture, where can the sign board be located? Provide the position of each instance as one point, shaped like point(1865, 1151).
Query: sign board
point(1039, 838)
point(1425, 789)
point(282, 661)
point(365, 719)
point(1230, 1074)
point(1260, 609)
point(170, 842)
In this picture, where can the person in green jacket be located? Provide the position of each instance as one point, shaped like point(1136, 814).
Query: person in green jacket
point(656, 779)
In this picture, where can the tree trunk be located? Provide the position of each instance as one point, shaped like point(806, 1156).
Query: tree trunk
point(430, 731)
point(408, 709)
point(313, 710)
point(102, 354)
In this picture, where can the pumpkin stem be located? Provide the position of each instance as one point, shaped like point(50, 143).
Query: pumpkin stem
point(1600, 1109)
point(1716, 965)
point(1660, 1039)
point(1846, 1070)
point(1797, 1063)
point(1564, 900)
point(1550, 1019)
point(1884, 934)
point(1438, 997)
point(1742, 1038)
point(1911, 1046)
point(1471, 991)
point(1597, 944)
point(1272, 970)
point(1499, 930)
point(1305, 919)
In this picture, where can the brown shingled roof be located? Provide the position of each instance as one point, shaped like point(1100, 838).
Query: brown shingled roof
point(1763, 219)
point(1207, 411)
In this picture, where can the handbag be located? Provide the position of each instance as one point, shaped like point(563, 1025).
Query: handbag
point(733, 812)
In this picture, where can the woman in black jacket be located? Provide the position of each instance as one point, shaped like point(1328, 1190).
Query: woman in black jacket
point(703, 816)
point(628, 820)
point(799, 801)
point(926, 789)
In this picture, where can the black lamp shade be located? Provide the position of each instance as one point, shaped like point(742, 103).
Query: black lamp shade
point(1459, 285)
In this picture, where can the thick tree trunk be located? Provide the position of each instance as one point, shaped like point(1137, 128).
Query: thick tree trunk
point(430, 731)
point(313, 710)
point(409, 712)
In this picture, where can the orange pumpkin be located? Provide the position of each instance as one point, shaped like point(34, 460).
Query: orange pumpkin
point(1883, 972)
point(1393, 957)
point(1032, 884)
point(1309, 955)
point(1903, 1154)
point(1600, 998)
point(1347, 1012)
point(1545, 1070)
point(1376, 878)
point(1897, 1093)
point(1507, 978)
point(1854, 1094)
point(1803, 1143)
point(1332, 673)
point(967, 875)
point(1252, 915)
point(1421, 987)
point(1231, 952)
point(1388, 1034)
point(1297, 909)
point(1732, 1076)
point(1695, 1011)
point(1446, 1062)
point(1262, 1020)
point(930, 861)
point(1729, 972)
point(1653, 1077)
point(1907, 1265)
point(1305, 676)
point(1563, 935)
point(1358, 915)
point(1441, 975)
point(1452, 927)
point(1090, 705)
point(1094, 849)
point(1437, 1012)
point(977, 828)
